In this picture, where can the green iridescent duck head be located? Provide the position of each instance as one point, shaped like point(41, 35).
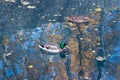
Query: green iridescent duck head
point(62, 45)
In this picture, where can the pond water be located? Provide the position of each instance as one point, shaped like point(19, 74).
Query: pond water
point(89, 28)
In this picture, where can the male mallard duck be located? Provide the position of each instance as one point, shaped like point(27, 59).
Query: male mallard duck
point(54, 48)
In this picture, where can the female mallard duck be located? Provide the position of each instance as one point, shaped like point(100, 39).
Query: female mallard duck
point(79, 19)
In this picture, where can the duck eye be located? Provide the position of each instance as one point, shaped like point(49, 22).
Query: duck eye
point(42, 45)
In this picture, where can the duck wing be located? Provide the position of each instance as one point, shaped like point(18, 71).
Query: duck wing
point(52, 49)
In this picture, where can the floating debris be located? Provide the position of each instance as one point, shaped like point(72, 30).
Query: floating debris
point(49, 24)
point(55, 15)
point(6, 41)
point(90, 10)
point(31, 7)
point(20, 33)
point(97, 43)
point(114, 21)
point(109, 55)
point(59, 15)
point(33, 33)
point(74, 29)
point(96, 29)
point(38, 28)
point(8, 54)
point(51, 58)
point(30, 66)
point(38, 14)
point(81, 38)
point(61, 8)
point(43, 17)
point(86, 26)
point(72, 8)
point(98, 9)
point(93, 51)
point(12, 19)
point(99, 58)
point(89, 40)
point(87, 78)
point(80, 4)
point(54, 19)
point(49, 20)
point(19, 6)
point(93, 4)
point(71, 24)
point(10, 1)
point(25, 3)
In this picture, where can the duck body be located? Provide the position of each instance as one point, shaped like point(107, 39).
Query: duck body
point(51, 48)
